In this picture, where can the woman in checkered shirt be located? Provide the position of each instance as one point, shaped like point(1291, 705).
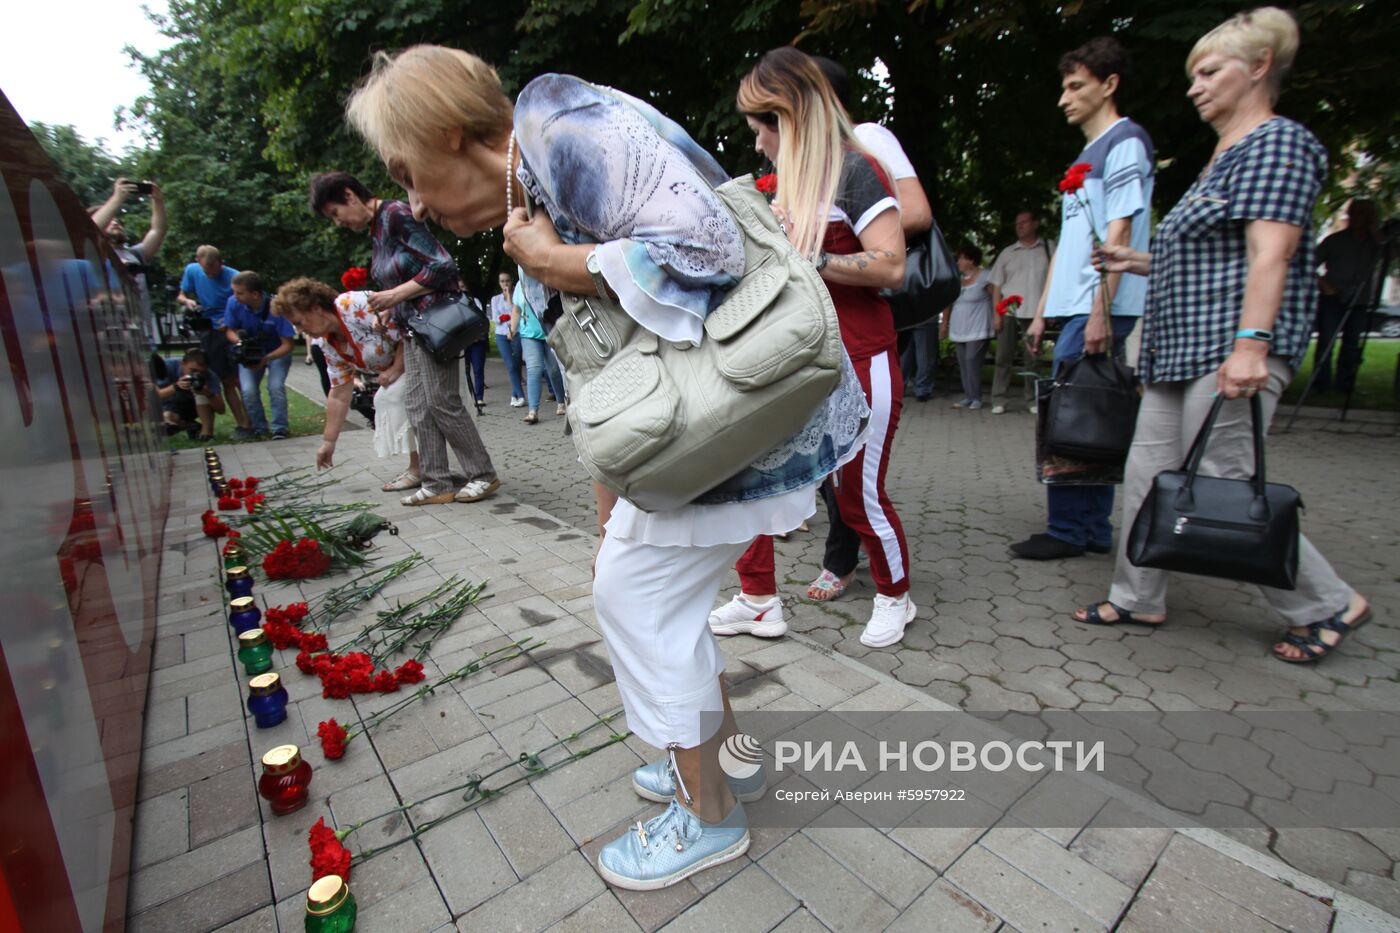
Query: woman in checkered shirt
point(1231, 301)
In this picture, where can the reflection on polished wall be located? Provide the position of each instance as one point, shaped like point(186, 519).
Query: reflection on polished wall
point(84, 489)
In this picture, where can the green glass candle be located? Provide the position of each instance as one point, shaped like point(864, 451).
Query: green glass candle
point(254, 651)
point(330, 907)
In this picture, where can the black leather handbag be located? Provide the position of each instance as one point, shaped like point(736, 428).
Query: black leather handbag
point(1092, 411)
point(1238, 529)
point(931, 281)
point(449, 327)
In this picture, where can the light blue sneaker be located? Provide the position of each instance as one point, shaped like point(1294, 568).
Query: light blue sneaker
point(672, 847)
point(654, 782)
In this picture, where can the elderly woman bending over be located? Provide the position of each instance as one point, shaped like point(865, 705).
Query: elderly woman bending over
point(627, 204)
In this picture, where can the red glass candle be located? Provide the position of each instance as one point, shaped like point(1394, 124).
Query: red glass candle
point(286, 779)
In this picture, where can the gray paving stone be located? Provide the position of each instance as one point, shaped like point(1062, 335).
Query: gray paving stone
point(525, 830)
point(162, 828)
point(1272, 900)
point(602, 913)
point(800, 921)
point(832, 893)
point(948, 910)
point(1170, 902)
point(1014, 896)
point(1094, 892)
point(419, 907)
point(221, 804)
point(259, 921)
point(467, 863)
point(549, 895)
point(751, 900)
point(164, 721)
point(1122, 850)
point(876, 859)
point(204, 865)
point(208, 906)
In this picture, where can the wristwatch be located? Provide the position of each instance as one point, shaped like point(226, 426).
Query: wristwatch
point(822, 260)
point(595, 269)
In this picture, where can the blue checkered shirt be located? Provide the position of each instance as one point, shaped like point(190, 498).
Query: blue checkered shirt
point(1199, 260)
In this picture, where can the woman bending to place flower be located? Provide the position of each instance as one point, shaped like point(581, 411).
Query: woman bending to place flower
point(1230, 305)
point(353, 343)
point(416, 273)
point(618, 181)
point(840, 211)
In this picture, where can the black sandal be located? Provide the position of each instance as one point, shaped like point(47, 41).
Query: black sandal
point(1093, 617)
point(1313, 647)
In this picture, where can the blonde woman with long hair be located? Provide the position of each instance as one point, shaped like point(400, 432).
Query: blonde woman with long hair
point(839, 208)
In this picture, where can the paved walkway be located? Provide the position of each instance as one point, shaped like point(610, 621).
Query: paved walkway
point(992, 634)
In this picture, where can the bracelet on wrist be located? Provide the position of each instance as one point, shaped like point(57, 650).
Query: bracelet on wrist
point(1253, 333)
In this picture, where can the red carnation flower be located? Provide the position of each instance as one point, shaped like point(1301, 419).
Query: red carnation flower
point(235, 483)
point(252, 502)
point(312, 641)
point(386, 682)
point(328, 856)
point(1009, 304)
point(410, 672)
point(768, 184)
point(355, 278)
point(333, 739)
point(304, 662)
point(251, 482)
point(1074, 178)
point(282, 635)
point(229, 504)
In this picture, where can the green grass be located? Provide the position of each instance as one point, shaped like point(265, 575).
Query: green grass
point(1375, 384)
point(303, 417)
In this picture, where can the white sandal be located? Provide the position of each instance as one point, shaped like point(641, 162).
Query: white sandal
point(422, 497)
point(405, 480)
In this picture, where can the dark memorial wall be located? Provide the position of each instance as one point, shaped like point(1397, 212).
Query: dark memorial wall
point(84, 492)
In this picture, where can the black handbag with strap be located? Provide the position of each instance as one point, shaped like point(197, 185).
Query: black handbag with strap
point(931, 281)
point(1238, 529)
point(449, 327)
point(1092, 411)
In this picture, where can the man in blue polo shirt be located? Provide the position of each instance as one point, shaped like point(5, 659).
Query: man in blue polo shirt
point(206, 287)
point(1097, 310)
point(264, 346)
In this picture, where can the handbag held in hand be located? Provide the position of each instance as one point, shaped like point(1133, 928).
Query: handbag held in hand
point(661, 423)
point(1092, 411)
point(1238, 529)
point(449, 327)
point(931, 281)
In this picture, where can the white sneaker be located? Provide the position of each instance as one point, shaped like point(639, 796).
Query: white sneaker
point(517, 402)
point(741, 617)
point(887, 621)
point(559, 409)
point(998, 409)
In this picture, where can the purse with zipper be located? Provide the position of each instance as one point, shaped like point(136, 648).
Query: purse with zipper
point(1238, 529)
point(661, 423)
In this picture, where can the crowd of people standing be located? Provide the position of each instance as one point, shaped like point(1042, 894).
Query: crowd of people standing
point(1222, 295)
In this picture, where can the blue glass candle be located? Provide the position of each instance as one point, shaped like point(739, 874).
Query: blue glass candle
point(267, 700)
point(239, 582)
point(244, 614)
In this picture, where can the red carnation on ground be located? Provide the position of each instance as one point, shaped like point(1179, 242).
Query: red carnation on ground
point(333, 739)
point(235, 483)
point(386, 682)
point(410, 672)
point(252, 502)
point(355, 278)
point(328, 856)
point(768, 184)
point(251, 482)
point(301, 561)
point(230, 504)
point(1009, 303)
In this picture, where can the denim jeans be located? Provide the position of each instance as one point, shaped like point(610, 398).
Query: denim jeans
point(539, 361)
point(1080, 515)
point(475, 362)
point(249, 381)
point(511, 354)
point(920, 360)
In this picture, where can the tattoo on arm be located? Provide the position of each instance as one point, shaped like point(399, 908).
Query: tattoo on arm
point(858, 260)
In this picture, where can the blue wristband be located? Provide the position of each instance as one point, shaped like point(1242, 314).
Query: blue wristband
point(1250, 333)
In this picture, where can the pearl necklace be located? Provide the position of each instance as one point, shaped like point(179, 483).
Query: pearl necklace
point(510, 161)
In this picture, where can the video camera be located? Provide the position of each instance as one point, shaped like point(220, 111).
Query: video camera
point(195, 320)
point(246, 352)
point(198, 381)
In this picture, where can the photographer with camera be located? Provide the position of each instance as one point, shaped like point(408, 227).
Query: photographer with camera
point(189, 394)
point(356, 345)
point(137, 257)
point(205, 289)
point(261, 342)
